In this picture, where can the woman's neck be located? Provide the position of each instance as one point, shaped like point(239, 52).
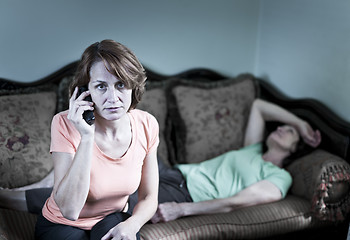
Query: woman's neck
point(275, 156)
point(112, 129)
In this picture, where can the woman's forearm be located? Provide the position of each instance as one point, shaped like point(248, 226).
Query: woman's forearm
point(72, 190)
point(258, 193)
point(143, 212)
point(148, 192)
point(273, 112)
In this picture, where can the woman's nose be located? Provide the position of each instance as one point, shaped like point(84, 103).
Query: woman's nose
point(113, 95)
point(280, 129)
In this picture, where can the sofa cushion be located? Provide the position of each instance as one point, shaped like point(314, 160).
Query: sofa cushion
point(323, 179)
point(154, 102)
point(209, 117)
point(25, 137)
point(255, 222)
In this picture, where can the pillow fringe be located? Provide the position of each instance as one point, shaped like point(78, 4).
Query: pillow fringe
point(331, 211)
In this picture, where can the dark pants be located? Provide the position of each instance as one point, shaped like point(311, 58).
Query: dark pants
point(172, 188)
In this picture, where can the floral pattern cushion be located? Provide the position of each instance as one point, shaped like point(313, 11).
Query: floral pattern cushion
point(210, 117)
point(154, 102)
point(25, 138)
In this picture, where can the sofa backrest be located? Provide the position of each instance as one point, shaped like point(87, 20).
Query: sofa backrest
point(335, 130)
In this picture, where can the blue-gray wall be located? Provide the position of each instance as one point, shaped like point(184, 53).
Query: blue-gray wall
point(302, 46)
point(39, 36)
point(304, 49)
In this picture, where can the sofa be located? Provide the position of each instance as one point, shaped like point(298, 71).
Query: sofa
point(201, 114)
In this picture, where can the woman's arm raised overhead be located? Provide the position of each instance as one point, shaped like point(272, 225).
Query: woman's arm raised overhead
point(262, 111)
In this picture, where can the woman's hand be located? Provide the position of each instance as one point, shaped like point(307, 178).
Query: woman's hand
point(123, 231)
point(167, 212)
point(310, 137)
point(77, 106)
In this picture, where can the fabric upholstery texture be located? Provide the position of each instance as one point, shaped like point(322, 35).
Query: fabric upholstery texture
point(154, 102)
point(246, 223)
point(24, 136)
point(324, 179)
point(48, 87)
point(210, 118)
point(63, 93)
point(213, 112)
point(16, 225)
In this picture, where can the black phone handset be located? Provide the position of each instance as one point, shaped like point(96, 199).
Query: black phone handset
point(87, 115)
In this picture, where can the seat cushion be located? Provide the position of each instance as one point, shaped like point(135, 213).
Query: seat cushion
point(288, 215)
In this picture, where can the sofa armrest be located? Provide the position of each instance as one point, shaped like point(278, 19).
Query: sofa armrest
point(324, 179)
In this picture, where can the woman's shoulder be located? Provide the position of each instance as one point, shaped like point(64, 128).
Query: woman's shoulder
point(256, 147)
point(62, 114)
point(142, 116)
point(144, 120)
point(61, 119)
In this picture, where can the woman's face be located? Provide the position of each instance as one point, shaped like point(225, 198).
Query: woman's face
point(110, 96)
point(284, 137)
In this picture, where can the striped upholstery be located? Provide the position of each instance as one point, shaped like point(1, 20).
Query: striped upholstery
point(255, 222)
point(16, 225)
point(288, 215)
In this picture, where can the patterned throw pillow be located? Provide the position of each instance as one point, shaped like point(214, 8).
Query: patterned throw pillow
point(210, 117)
point(154, 102)
point(25, 138)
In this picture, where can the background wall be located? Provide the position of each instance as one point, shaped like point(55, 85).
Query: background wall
point(39, 36)
point(304, 49)
point(301, 46)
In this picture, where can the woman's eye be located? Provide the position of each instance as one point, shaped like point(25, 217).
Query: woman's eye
point(100, 86)
point(120, 85)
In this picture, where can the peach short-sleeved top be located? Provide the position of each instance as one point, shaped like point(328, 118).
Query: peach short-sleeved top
point(111, 180)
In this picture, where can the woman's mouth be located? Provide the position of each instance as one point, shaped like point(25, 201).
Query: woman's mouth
point(112, 109)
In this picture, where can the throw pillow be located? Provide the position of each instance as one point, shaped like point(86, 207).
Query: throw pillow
point(209, 118)
point(25, 138)
point(324, 179)
point(154, 102)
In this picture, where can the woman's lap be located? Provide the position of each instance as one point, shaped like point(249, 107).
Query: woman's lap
point(36, 199)
point(46, 230)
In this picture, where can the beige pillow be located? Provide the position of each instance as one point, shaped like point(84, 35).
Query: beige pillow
point(210, 117)
point(25, 138)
